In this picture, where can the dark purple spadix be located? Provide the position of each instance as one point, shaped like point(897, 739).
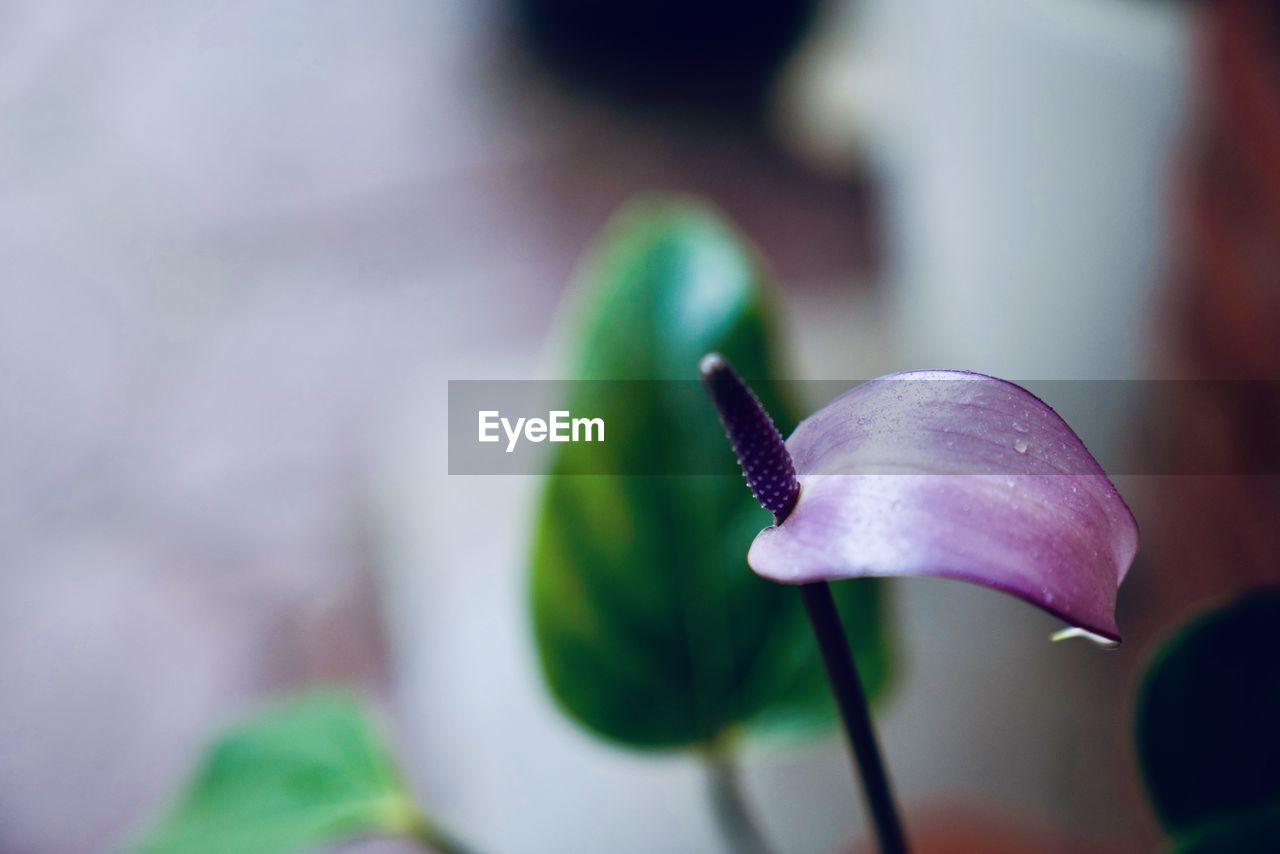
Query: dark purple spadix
point(761, 452)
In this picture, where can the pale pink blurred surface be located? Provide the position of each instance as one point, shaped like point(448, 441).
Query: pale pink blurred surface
point(231, 237)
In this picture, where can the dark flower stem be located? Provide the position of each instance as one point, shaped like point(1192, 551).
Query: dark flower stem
point(771, 475)
point(842, 673)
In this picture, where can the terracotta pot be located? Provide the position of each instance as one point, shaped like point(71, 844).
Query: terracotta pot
point(1217, 532)
point(987, 829)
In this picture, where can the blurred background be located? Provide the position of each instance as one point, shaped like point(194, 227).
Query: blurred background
point(244, 246)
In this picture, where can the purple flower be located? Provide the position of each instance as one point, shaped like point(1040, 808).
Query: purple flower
point(948, 474)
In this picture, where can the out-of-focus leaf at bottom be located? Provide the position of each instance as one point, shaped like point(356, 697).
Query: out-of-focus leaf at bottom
point(303, 773)
point(1208, 729)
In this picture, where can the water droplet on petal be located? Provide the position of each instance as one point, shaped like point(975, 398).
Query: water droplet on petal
point(1019, 427)
point(1076, 632)
point(1020, 446)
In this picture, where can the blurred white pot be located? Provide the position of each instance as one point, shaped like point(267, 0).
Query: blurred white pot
point(1025, 149)
point(492, 757)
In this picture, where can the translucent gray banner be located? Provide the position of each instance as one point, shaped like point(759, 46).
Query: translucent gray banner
point(641, 427)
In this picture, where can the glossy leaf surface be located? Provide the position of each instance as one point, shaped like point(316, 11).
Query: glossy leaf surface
point(651, 628)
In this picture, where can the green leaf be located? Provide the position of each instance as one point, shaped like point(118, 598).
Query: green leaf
point(1208, 728)
point(1254, 832)
point(652, 629)
point(307, 772)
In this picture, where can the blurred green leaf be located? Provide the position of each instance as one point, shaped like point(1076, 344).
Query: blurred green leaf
point(307, 772)
point(1208, 729)
point(651, 627)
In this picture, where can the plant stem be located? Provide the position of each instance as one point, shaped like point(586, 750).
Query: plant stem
point(842, 672)
point(732, 815)
point(434, 839)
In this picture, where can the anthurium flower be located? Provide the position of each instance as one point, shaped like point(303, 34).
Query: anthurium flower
point(948, 474)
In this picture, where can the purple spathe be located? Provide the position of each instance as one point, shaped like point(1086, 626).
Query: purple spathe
point(955, 475)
